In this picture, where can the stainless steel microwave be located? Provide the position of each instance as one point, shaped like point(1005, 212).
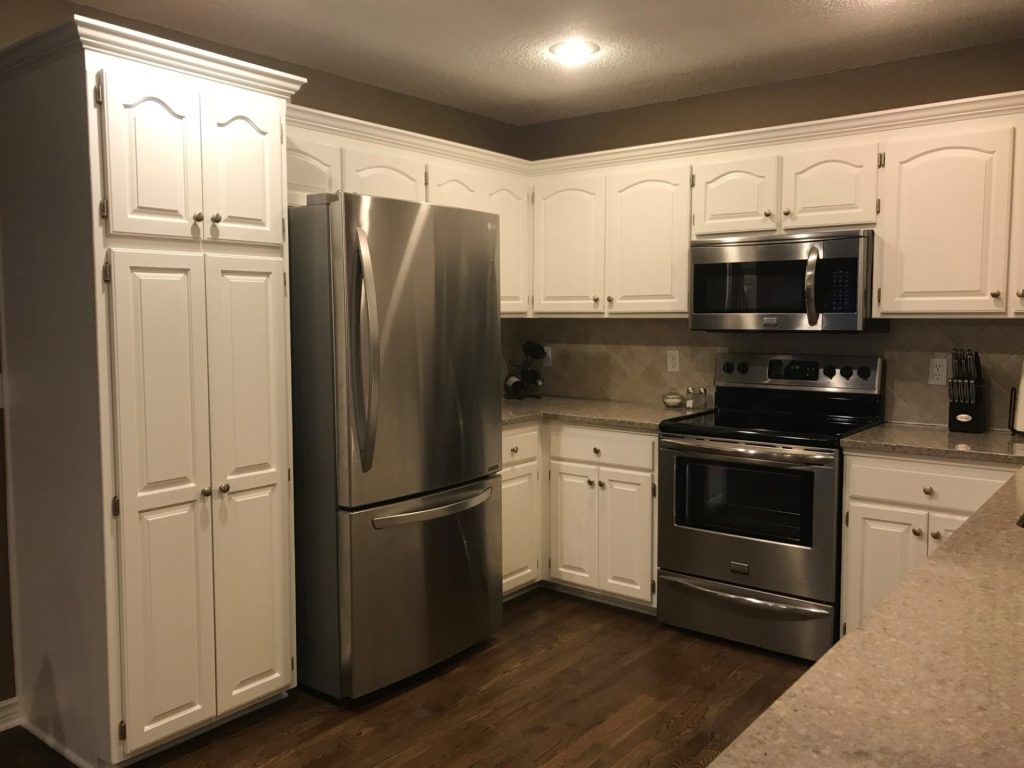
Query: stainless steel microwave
point(818, 281)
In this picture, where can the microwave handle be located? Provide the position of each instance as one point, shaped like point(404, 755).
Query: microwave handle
point(810, 273)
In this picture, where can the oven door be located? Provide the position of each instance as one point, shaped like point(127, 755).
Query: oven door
point(754, 515)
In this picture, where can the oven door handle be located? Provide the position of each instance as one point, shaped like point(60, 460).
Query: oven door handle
point(755, 604)
point(810, 277)
point(797, 457)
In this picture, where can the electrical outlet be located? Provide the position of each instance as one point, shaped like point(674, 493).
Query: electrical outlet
point(547, 356)
point(937, 371)
point(672, 361)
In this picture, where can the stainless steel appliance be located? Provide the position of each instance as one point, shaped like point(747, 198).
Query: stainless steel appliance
point(396, 371)
point(748, 532)
point(818, 281)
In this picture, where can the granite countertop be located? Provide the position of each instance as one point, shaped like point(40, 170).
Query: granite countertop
point(601, 413)
point(938, 442)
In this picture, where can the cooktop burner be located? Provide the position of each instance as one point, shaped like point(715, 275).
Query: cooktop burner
point(813, 401)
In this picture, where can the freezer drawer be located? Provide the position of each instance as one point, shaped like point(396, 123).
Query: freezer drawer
point(764, 619)
point(420, 581)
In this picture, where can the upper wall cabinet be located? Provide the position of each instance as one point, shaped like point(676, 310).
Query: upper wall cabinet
point(383, 174)
point(568, 243)
point(736, 196)
point(830, 186)
point(648, 240)
point(944, 232)
point(313, 168)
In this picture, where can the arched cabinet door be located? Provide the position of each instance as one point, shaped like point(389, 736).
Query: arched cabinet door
point(242, 179)
point(382, 174)
point(312, 169)
point(830, 186)
point(153, 156)
point(736, 196)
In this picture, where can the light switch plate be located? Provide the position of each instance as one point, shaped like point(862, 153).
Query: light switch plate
point(547, 356)
point(937, 371)
point(672, 360)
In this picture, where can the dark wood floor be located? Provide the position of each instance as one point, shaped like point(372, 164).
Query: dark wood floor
point(566, 682)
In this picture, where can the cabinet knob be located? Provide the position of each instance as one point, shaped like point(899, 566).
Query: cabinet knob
point(216, 218)
point(225, 487)
point(786, 211)
point(768, 213)
point(515, 449)
point(996, 294)
point(597, 451)
point(207, 491)
point(1020, 293)
point(590, 483)
point(197, 216)
point(916, 531)
point(936, 535)
point(596, 299)
point(611, 299)
point(928, 490)
point(600, 483)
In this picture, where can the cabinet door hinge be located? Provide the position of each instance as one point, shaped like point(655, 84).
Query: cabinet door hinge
point(426, 177)
point(654, 490)
point(108, 270)
point(104, 208)
point(846, 519)
point(285, 276)
point(293, 662)
point(549, 563)
point(530, 197)
point(289, 474)
point(281, 134)
point(878, 205)
point(844, 628)
point(115, 507)
point(97, 90)
point(693, 179)
point(122, 731)
point(878, 295)
point(693, 219)
point(654, 586)
point(881, 159)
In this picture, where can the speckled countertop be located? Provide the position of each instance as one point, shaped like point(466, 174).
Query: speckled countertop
point(600, 413)
point(938, 442)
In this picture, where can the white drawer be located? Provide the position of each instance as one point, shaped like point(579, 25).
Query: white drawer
point(958, 486)
point(599, 446)
point(519, 445)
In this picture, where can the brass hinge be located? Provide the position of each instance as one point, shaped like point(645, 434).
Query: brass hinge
point(844, 627)
point(289, 474)
point(293, 662)
point(115, 507)
point(104, 208)
point(654, 490)
point(654, 586)
point(878, 205)
point(847, 518)
point(693, 179)
point(879, 295)
point(881, 159)
point(108, 270)
point(122, 731)
point(97, 90)
point(549, 563)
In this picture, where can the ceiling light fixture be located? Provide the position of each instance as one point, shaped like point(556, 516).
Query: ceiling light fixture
point(574, 51)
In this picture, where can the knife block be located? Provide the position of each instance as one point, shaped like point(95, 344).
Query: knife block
point(969, 417)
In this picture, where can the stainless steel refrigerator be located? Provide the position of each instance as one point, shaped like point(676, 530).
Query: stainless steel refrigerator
point(396, 380)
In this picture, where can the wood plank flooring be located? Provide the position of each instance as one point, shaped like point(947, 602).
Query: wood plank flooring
point(566, 682)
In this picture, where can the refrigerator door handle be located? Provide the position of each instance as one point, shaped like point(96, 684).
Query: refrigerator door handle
point(372, 404)
point(423, 515)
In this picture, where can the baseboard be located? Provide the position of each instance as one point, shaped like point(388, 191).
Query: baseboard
point(10, 714)
point(60, 749)
point(599, 597)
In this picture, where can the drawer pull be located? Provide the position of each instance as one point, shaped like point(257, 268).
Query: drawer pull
point(936, 535)
point(928, 490)
point(600, 483)
point(590, 482)
point(597, 451)
point(916, 531)
point(515, 449)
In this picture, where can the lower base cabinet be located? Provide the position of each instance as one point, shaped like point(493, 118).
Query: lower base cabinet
point(521, 508)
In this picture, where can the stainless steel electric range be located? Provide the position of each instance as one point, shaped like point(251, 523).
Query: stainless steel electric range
point(749, 532)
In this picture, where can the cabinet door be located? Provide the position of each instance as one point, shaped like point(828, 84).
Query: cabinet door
point(648, 240)
point(944, 231)
point(456, 186)
point(830, 187)
point(385, 175)
point(249, 441)
point(242, 180)
point(885, 544)
point(520, 525)
point(625, 533)
point(736, 196)
point(153, 162)
point(568, 244)
point(166, 569)
point(941, 526)
point(574, 535)
point(312, 169)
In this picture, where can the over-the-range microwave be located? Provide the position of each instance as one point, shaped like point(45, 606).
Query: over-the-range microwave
point(817, 281)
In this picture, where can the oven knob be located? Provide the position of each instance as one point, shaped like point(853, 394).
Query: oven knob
point(864, 372)
point(846, 371)
point(742, 367)
point(829, 371)
point(728, 367)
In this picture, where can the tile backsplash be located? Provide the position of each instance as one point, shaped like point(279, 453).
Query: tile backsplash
point(625, 359)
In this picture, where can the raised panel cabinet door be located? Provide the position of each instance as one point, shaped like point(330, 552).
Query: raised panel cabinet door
point(249, 445)
point(312, 169)
point(886, 543)
point(520, 526)
point(830, 186)
point(942, 525)
point(242, 178)
point(736, 196)
point(153, 152)
point(456, 186)
point(944, 231)
point(382, 174)
point(569, 244)
point(163, 461)
point(574, 524)
point(509, 197)
point(648, 240)
point(625, 533)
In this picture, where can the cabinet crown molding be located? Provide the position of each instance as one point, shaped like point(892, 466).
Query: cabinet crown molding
point(83, 33)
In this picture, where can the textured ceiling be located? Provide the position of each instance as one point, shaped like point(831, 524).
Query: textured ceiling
point(488, 56)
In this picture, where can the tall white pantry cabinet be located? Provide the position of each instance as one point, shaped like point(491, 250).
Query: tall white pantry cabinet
point(148, 408)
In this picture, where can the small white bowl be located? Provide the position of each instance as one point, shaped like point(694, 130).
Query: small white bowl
point(672, 400)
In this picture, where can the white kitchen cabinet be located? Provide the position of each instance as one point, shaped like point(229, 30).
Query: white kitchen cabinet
point(569, 244)
point(624, 532)
point(574, 525)
point(830, 186)
point(383, 174)
point(648, 239)
point(457, 186)
point(739, 195)
point(942, 525)
point(313, 168)
point(943, 236)
point(520, 525)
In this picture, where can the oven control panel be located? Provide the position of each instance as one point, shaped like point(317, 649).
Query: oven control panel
point(827, 373)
